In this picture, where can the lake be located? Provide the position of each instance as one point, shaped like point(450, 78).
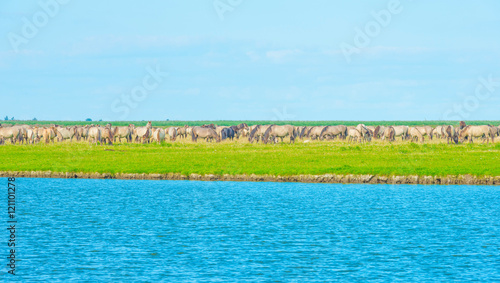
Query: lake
point(122, 230)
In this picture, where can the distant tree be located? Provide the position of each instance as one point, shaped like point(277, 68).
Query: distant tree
point(12, 118)
point(6, 118)
point(88, 120)
point(168, 120)
point(34, 119)
point(100, 120)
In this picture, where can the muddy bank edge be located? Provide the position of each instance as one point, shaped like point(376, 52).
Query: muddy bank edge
point(326, 178)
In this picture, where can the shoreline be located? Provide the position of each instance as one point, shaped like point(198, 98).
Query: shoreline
point(325, 178)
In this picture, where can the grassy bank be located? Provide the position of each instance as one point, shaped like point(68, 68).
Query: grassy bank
point(228, 123)
point(244, 158)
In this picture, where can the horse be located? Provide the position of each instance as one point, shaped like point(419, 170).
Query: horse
point(401, 131)
point(158, 135)
point(143, 133)
point(389, 133)
point(471, 132)
point(365, 132)
point(415, 134)
point(451, 134)
point(425, 131)
point(123, 132)
point(258, 133)
point(66, 133)
point(11, 133)
point(107, 135)
point(438, 132)
point(206, 133)
point(315, 132)
point(280, 132)
point(354, 135)
point(379, 132)
point(94, 135)
point(334, 131)
point(227, 133)
point(304, 131)
point(172, 133)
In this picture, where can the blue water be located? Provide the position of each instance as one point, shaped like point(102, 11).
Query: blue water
point(117, 230)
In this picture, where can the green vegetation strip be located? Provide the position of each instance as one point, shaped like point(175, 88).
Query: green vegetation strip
point(376, 158)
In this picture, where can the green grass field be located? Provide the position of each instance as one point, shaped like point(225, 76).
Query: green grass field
point(228, 123)
point(185, 157)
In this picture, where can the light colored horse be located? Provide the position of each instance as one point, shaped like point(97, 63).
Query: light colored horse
point(425, 131)
point(315, 132)
point(172, 133)
point(12, 133)
point(471, 132)
point(438, 132)
point(389, 134)
point(204, 133)
point(401, 131)
point(66, 133)
point(280, 132)
point(94, 135)
point(334, 131)
point(365, 132)
point(258, 133)
point(125, 132)
point(142, 134)
point(415, 134)
point(107, 135)
point(159, 135)
point(378, 133)
point(354, 135)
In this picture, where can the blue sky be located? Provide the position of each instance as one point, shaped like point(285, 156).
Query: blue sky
point(251, 60)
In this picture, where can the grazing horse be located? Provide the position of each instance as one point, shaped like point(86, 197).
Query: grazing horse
point(401, 131)
point(379, 132)
point(258, 133)
point(204, 133)
point(389, 134)
point(415, 134)
point(365, 132)
point(471, 132)
point(334, 131)
point(451, 134)
point(281, 132)
point(354, 135)
point(439, 132)
point(425, 131)
point(304, 131)
point(315, 132)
